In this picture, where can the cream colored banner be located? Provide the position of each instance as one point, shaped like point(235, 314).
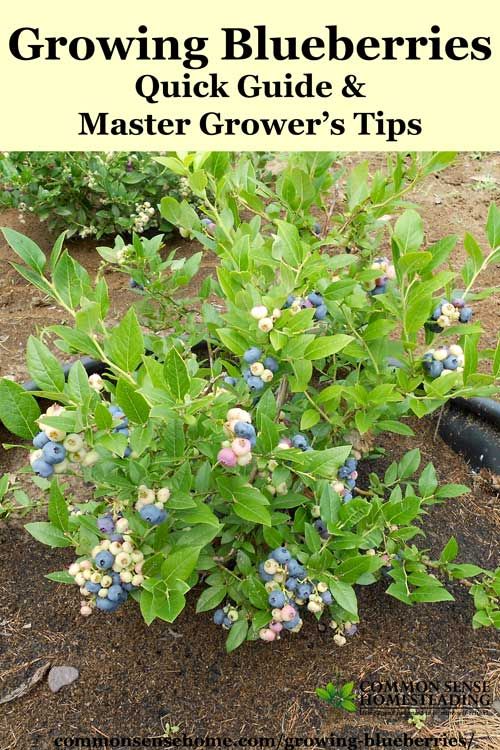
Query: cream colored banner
point(300, 83)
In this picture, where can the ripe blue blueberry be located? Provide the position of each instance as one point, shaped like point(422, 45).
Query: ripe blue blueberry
point(53, 453)
point(315, 298)
point(106, 605)
point(304, 590)
point(128, 586)
point(105, 524)
point(321, 528)
point(104, 560)
point(116, 537)
point(276, 599)
point(300, 441)
point(122, 430)
point(378, 290)
point(265, 576)
point(127, 452)
point(292, 623)
point(434, 368)
point(316, 228)
point(252, 355)
point(343, 472)
point(466, 314)
point(450, 363)
point(133, 284)
point(230, 380)
point(219, 616)
point(42, 468)
point(244, 430)
point(327, 598)
point(281, 555)
point(40, 440)
point(93, 588)
point(271, 364)
point(289, 301)
point(152, 514)
point(116, 593)
point(351, 483)
point(296, 569)
point(351, 464)
point(437, 313)
point(115, 577)
point(227, 622)
point(347, 497)
point(255, 383)
point(291, 584)
point(321, 312)
point(115, 411)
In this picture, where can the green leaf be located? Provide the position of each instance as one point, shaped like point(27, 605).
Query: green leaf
point(450, 551)
point(179, 565)
point(452, 490)
point(493, 226)
point(125, 344)
point(147, 606)
point(25, 248)
point(174, 440)
point(58, 509)
point(210, 598)
point(60, 576)
point(78, 388)
point(237, 635)
point(287, 246)
point(432, 594)
point(44, 367)
point(345, 596)
point(427, 482)
point(176, 375)
point(134, 405)
point(18, 409)
point(325, 346)
point(48, 534)
point(409, 231)
point(169, 605)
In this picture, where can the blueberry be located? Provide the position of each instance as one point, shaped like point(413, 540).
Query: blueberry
point(105, 524)
point(116, 593)
point(42, 468)
point(320, 527)
point(128, 586)
point(93, 588)
point(151, 514)
point(300, 441)
point(219, 616)
point(450, 363)
point(106, 605)
point(304, 590)
point(127, 452)
point(292, 623)
point(255, 384)
point(291, 584)
point(252, 355)
point(316, 228)
point(122, 430)
point(276, 599)
point(227, 622)
point(327, 598)
point(104, 560)
point(116, 537)
point(466, 314)
point(435, 368)
point(321, 312)
point(351, 483)
point(54, 453)
point(230, 381)
point(281, 555)
point(289, 301)
point(265, 576)
point(351, 464)
point(437, 313)
point(246, 373)
point(133, 284)
point(427, 357)
point(271, 364)
point(115, 411)
point(315, 298)
point(343, 472)
point(115, 577)
point(347, 497)
point(295, 569)
point(40, 440)
point(351, 630)
point(378, 290)
point(244, 430)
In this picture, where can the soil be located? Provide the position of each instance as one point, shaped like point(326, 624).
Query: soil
point(134, 679)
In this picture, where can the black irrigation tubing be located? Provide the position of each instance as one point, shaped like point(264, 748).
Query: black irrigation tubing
point(471, 427)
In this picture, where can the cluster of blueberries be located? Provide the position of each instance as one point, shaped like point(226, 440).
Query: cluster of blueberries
point(238, 450)
point(208, 225)
point(447, 313)
point(344, 486)
point(225, 616)
point(314, 299)
point(445, 359)
point(289, 587)
point(387, 272)
point(122, 426)
point(133, 284)
point(297, 441)
point(258, 373)
point(265, 319)
point(114, 570)
point(55, 451)
point(150, 504)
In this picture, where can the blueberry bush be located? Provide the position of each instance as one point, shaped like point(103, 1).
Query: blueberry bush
point(227, 445)
point(89, 194)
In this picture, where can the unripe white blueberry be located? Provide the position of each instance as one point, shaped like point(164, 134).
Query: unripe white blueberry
point(106, 544)
point(271, 489)
point(55, 410)
point(57, 436)
point(163, 494)
point(77, 457)
point(244, 460)
point(86, 611)
point(146, 494)
point(86, 574)
point(279, 577)
point(62, 467)
point(370, 552)
point(266, 325)
point(271, 566)
point(440, 354)
point(315, 511)
point(339, 639)
point(35, 455)
point(239, 415)
point(257, 369)
point(102, 593)
point(90, 458)
point(137, 580)
point(314, 606)
point(115, 548)
point(267, 376)
point(79, 579)
point(106, 582)
point(96, 577)
point(86, 565)
point(347, 625)
point(443, 321)
point(456, 350)
point(233, 614)
point(276, 313)
point(271, 586)
point(137, 556)
point(126, 576)
point(322, 587)
point(73, 442)
point(123, 560)
point(276, 613)
point(272, 465)
point(448, 309)
point(74, 568)
point(338, 487)
point(96, 382)
point(138, 567)
point(121, 525)
point(266, 634)
point(333, 625)
point(282, 488)
point(259, 312)
point(127, 547)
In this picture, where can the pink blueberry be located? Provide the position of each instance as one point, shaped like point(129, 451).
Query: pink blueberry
point(288, 613)
point(266, 634)
point(241, 446)
point(227, 457)
point(276, 627)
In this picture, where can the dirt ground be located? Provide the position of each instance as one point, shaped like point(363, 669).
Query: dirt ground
point(134, 679)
